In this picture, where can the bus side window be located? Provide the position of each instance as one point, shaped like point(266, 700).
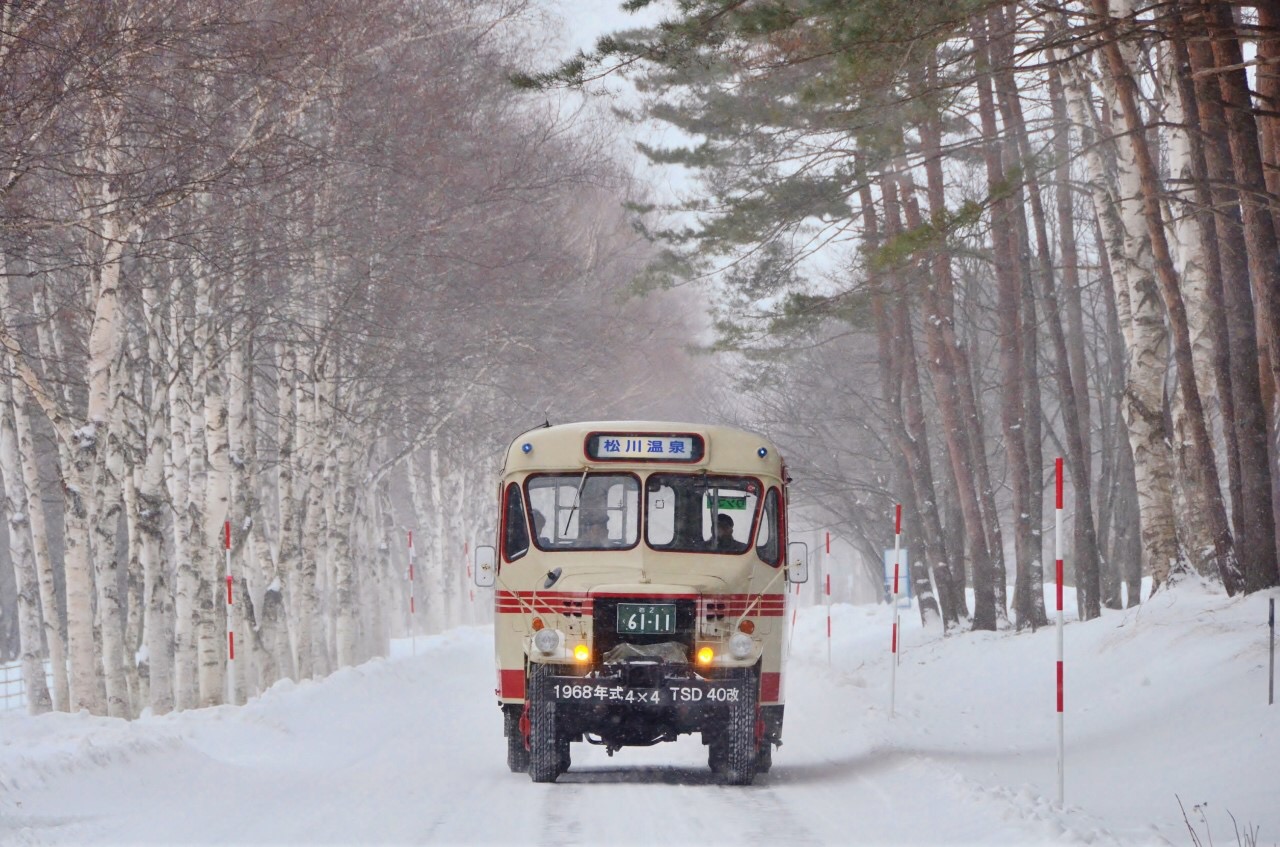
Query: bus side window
point(767, 539)
point(515, 542)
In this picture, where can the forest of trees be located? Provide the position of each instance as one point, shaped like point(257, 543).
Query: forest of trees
point(307, 268)
point(956, 240)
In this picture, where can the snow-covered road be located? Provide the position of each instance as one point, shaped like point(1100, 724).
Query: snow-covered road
point(410, 751)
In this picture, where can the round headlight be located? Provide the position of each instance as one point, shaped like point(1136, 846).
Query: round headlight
point(740, 645)
point(546, 641)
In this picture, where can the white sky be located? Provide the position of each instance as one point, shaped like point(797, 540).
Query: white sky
point(587, 20)
point(1163, 702)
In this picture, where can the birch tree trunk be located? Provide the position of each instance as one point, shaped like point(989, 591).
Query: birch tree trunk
point(257, 638)
point(437, 582)
point(38, 522)
point(152, 505)
point(290, 519)
point(35, 512)
point(108, 496)
point(309, 632)
point(216, 500)
point(1202, 459)
point(26, 583)
point(430, 602)
point(179, 475)
point(346, 629)
point(1141, 324)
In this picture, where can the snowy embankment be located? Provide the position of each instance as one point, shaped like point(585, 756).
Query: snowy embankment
point(1164, 701)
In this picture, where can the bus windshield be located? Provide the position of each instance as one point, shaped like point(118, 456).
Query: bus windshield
point(585, 511)
point(700, 512)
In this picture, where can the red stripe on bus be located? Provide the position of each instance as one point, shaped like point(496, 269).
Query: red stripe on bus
point(628, 595)
point(511, 684)
point(516, 602)
point(770, 687)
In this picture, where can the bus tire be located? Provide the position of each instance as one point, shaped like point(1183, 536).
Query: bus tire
point(544, 746)
point(517, 753)
point(740, 737)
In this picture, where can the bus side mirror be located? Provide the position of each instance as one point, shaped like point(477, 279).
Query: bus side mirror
point(797, 562)
point(486, 566)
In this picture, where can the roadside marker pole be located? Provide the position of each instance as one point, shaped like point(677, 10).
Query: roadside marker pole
point(413, 609)
point(1057, 545)
point(828, 619)
point(1271, 674)
point(893, 643)
point(231, 636)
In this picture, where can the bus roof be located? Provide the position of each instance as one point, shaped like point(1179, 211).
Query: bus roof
point(564, 447)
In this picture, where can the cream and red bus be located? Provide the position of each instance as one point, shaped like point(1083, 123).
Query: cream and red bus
point(640, 579)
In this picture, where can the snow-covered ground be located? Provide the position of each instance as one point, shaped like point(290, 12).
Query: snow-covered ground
point(1164, 702)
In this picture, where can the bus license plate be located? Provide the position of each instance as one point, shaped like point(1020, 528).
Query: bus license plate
point(646, 618)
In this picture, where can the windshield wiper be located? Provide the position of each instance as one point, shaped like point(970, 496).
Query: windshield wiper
point(576, 498)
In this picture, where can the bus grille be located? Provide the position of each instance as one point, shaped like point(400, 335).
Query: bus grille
point(605, 622)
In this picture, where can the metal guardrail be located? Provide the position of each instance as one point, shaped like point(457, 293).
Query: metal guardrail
point(13, 689)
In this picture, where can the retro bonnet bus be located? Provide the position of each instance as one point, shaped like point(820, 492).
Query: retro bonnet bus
point(640, 577)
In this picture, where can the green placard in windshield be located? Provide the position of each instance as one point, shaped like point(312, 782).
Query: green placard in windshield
point(729, 502)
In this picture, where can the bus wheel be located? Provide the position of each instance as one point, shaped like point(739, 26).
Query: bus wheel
point(740, 737)
point(517, 754)
point(544, 746)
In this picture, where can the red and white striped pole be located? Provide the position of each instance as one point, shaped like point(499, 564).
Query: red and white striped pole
point(828, 589)
point(893, 642)
point(231, 636)
point(1057, 547)
point(413, 608)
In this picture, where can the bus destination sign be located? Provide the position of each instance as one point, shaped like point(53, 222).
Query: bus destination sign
point(644, 447)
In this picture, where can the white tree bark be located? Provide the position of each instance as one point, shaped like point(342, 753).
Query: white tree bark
point(313, 422)
point(1138, 305)
point(38, 521)
point(151, 506)
point(1187, 244)
point(346, 629)
point(216, 505)
point(30, 649)
point(178, 473)
point(429, 600)
point(288, 504)
point(35, 513)
point(108, 505)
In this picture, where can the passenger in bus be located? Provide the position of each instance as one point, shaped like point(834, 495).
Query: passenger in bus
point(539, 525)
point(594, 530)
point(725, 542)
